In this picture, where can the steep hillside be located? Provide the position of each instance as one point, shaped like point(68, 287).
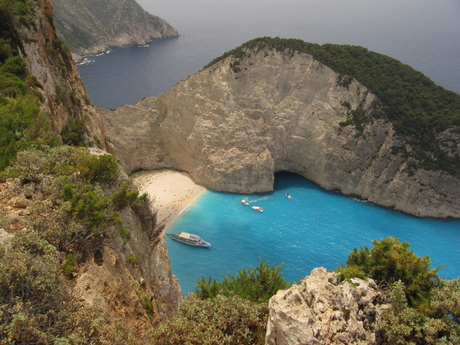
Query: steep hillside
point(78, 246)
point(89, 27)
point(264, 108)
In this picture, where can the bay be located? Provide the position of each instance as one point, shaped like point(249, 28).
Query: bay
point(315, 228)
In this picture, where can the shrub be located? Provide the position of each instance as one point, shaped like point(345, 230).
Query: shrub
point(405, 325)
point(124, 196)
point(390, 261)
point(125, 234)
point(132, 259)
point(74, 132)
point(255, 284)
point(70, 264)
point(222, 320)
point(98, 169)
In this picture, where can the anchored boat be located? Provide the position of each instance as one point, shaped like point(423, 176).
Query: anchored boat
point(190, 239)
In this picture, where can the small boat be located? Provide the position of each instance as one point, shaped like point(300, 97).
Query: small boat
point(244, 202)
point(190, 239)
point(257, 208)
point(288, 196)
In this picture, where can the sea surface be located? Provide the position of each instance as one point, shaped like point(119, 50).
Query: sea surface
point(315, 227)
point(421, 33)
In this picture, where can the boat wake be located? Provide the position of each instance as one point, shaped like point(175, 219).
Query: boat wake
point(256, 200)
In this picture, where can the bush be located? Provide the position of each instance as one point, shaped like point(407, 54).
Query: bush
point(36, 306)
point(98, 169)
point(124, 196)
point(222, 320)
point(390, 261)
point(255, 284)
point(405, 325)
point(74, 132)
point(70, 264)
point(132, 259)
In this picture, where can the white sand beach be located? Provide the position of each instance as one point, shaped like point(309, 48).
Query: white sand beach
point(170, 192)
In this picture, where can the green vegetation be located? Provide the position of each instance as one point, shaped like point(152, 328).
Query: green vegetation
point(403, 324)
point(37, 307)
point(390, 261)
point(221, 320)
point(21, 123)
point(70, 264)
point(72, 212)
point(418, 109)
point(255, 284)
point(424, 308)
point(73, 134)
point(132, 259)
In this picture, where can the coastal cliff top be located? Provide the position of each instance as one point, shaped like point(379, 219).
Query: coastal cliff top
point(426, 115)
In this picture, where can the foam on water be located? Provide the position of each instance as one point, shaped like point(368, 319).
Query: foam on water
point(314, 228)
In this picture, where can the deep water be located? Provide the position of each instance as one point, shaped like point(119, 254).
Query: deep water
point(421, 33)
point(315, 228)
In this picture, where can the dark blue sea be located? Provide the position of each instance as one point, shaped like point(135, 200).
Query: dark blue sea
point(314, 228)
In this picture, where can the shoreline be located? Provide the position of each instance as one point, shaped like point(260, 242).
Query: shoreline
point(170, 192)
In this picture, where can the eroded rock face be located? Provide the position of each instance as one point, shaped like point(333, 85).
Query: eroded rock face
point(64, 98)
point(231, 131)
point(322, 310)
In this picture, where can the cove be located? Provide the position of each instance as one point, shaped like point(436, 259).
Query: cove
point(315, 228)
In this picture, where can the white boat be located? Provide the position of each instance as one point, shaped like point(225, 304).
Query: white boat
point(257, 208)
point(288, 196)
point(244, 202)
point(190, 239)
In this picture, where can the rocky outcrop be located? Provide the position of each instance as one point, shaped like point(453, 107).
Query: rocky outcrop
point(323, 310)
point(236, 123)
point(63, 94)
point(90, 27)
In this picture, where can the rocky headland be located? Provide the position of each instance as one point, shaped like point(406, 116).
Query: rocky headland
point(91, 27)
point(237, 122)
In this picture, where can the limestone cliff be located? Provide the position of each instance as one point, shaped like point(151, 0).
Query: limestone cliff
point(64, 97)
point(89, 26)
point(237, 122)
point(322, 310)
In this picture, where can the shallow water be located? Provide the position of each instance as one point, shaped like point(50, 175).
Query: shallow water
point(314, 228)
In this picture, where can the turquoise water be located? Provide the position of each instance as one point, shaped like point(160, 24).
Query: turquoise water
point(314, 228)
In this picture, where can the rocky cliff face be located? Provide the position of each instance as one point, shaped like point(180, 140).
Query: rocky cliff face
point(89, 26)
point(64, 97)
point(232, 126)
point(320, 310)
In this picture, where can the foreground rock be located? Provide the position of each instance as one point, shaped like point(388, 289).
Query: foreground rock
point(90, 27)
point(322, 310)
point(232, 129)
